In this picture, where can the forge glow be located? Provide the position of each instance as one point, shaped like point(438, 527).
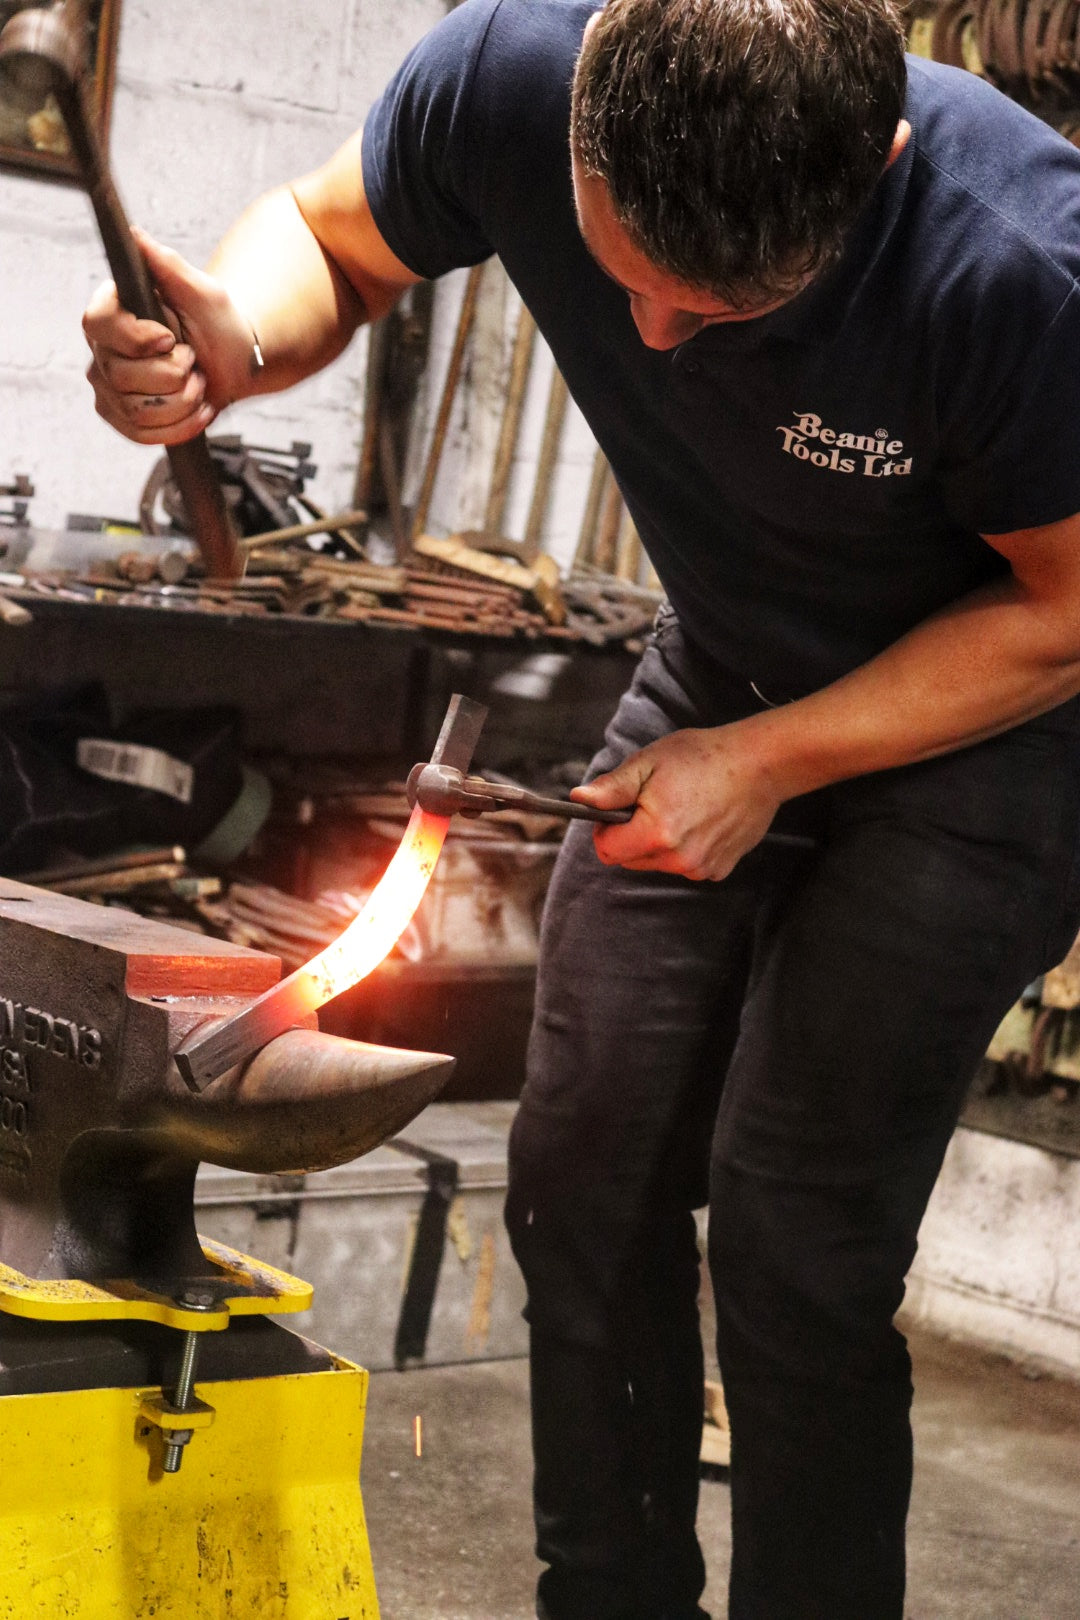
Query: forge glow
point(372, 935)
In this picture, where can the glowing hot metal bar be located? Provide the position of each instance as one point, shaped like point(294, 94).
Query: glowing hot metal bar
point(367, 940)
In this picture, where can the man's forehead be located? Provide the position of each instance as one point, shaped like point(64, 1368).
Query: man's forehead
point(616, 255)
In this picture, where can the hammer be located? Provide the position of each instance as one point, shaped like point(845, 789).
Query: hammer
point(42, 51)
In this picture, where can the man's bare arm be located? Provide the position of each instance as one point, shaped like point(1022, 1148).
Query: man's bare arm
point(335, 273)
point(298, 272)
point(987, 662)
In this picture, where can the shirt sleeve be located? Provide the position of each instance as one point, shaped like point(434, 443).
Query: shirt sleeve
point(1020, 466)
point(422, 148)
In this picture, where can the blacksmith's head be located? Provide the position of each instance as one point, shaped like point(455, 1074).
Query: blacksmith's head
point(732, 143)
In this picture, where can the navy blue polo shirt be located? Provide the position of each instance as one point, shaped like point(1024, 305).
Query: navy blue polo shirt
point(812, 483)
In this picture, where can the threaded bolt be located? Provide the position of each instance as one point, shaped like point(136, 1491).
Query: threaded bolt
point(196, 1299)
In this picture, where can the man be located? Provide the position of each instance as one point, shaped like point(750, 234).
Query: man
point(822, 315)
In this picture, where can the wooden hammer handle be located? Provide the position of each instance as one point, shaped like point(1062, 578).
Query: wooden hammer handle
point(191, 463)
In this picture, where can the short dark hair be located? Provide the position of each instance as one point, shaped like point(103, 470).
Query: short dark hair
point(739, 139)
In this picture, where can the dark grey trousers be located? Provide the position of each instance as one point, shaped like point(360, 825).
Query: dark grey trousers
point(791, 1046)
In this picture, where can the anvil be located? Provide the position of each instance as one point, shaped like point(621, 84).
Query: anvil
point(100, 1137)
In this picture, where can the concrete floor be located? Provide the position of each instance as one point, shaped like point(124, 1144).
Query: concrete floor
point(995, 1522)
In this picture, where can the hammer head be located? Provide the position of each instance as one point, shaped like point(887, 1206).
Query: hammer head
point(40, 49)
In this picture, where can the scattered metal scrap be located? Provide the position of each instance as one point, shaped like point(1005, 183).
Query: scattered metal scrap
point(263, 489)
point(157, 881)
point(425, 593)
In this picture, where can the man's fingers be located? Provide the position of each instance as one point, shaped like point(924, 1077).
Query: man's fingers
point(677, 863)
point(174, 433)
point(170, 398)
point(161, 374)
point(639, 839)
point(109, 328)
point(154, 418)
point(179, 285)
point(147, 380)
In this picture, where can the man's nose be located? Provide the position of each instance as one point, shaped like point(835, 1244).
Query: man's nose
point(660, 326)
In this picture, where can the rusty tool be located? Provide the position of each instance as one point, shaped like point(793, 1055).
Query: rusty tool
point(43, 50)
point(513, 404)
point(466, 317)
point(590, 517)
point(606, 544)
point(301, 531)
point(444, 791)
point(397, 358)
point(558, 399)
point(208, 1054)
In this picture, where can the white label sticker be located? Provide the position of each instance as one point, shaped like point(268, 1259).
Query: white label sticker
point(137, 766)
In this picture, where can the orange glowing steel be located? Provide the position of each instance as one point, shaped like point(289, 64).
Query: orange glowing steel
point(206, 1054)
point(368, 938)
point(390, 908)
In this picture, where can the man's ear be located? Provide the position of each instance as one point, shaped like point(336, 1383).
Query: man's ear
point(899, 141)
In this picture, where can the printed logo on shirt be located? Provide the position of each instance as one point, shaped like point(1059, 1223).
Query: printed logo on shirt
point(873, 455)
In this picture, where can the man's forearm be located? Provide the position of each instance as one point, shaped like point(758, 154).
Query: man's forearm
point(1007, 652)
point(985, 664)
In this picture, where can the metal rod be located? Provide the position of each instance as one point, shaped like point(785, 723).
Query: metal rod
point(185, 1384)
point(524, 343)
point(195, 1299)
point(446, 405)
point(590, 517)
point(607, 537)
point(300, 531)
point(558, 396)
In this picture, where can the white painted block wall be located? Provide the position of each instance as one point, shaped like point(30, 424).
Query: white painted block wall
point(998, 1260)
point(215, 101)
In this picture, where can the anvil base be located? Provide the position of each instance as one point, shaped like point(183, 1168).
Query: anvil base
point(265, 1518)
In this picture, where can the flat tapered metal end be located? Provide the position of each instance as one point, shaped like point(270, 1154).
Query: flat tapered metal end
point(460, 733)
point(309, 1101)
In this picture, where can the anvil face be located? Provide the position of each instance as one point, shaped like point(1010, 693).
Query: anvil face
point(99, 1136)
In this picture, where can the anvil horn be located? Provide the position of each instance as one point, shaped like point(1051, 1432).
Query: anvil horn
point(306, 1101)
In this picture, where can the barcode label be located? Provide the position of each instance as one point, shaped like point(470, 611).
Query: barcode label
point(137, 766)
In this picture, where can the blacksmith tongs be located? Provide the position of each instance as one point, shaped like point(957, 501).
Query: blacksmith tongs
point(443, 791)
